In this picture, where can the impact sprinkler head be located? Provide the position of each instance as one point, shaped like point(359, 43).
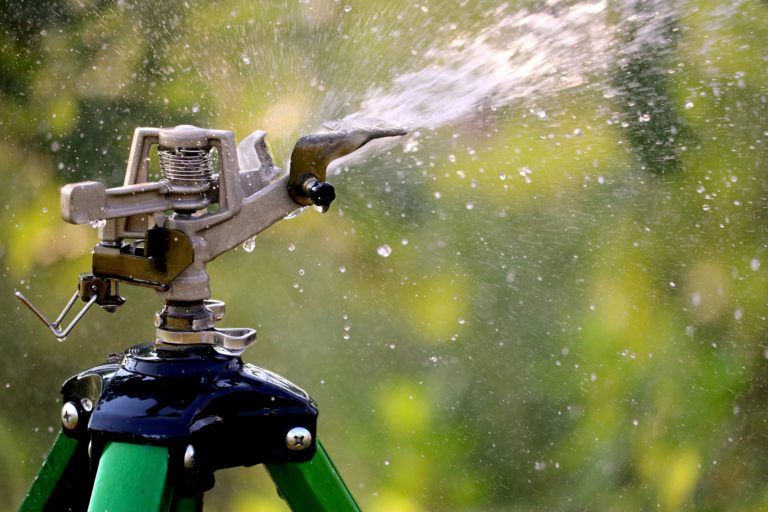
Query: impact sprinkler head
point(162, 234)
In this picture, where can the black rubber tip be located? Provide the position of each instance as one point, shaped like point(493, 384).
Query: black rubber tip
point(322, 194)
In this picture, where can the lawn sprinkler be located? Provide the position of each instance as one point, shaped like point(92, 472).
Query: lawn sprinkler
point(147, 429)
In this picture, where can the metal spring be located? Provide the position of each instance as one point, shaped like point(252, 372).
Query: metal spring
point(186, 164)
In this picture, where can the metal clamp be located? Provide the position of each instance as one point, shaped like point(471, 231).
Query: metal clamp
point(230, 341)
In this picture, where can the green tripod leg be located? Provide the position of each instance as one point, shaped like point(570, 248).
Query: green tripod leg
point(131, 477)
point(313, 486)
point(51, 480)
point(135, 477)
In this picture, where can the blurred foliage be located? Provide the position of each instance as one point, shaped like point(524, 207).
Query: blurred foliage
point(572, 315)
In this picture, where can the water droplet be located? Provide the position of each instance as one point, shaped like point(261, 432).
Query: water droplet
point(342, 269)
point(45, 210)
point(452, 158)
point(384, 251)
point(295, 213)
point(347, 8)
point(696, 298)
point(195, 108)
point(688, 105)
point(291, 247)
point(411, 146)
point(386, 462)
point(250, 244)
point(96, 224)
point(470, 205)
point(738, 314)
point(754, 265)
point(635, 422)
point(246, 59)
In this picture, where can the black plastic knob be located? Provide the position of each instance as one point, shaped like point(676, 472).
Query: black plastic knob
point(322, 194)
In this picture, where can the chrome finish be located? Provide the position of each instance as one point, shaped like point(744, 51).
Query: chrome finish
point(87, 404)
point(232, 341)
point(298, 438)
point(69, 416)
point(189, 457)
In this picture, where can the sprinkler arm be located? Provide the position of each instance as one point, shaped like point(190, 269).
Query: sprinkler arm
point(308, 168)
point(313, 153)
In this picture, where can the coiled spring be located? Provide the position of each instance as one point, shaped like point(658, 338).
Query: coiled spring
point(186, 164)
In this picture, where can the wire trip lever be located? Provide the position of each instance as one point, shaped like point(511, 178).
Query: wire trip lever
point(61, 334)
point(92, 290)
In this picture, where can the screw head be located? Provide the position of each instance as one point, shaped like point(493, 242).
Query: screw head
point(189, 457)
point(87, 404)
point(69, 416)
point(298, 438)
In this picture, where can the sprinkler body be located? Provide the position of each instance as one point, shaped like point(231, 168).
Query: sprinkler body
point(212, 197)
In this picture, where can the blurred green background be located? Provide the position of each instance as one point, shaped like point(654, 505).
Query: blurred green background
point(572, 316)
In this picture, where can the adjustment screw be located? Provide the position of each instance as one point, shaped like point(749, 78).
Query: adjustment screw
point(189, 457)
point(298, 438)
point(69, 416)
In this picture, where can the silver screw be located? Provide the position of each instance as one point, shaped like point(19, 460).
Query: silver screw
point(189, 457)
point(87, 404)
point(69, 416)
point(298, 438)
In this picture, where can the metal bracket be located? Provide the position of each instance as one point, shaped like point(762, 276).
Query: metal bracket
point(231, 413)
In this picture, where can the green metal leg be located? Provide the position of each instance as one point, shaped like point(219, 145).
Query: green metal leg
point(131, 477)
point(50, 474)
point(313, 486)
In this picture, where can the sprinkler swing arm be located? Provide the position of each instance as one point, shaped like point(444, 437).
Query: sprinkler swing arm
point(188, 396)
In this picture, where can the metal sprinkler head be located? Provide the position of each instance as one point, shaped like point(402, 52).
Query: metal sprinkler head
point(212, 197)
